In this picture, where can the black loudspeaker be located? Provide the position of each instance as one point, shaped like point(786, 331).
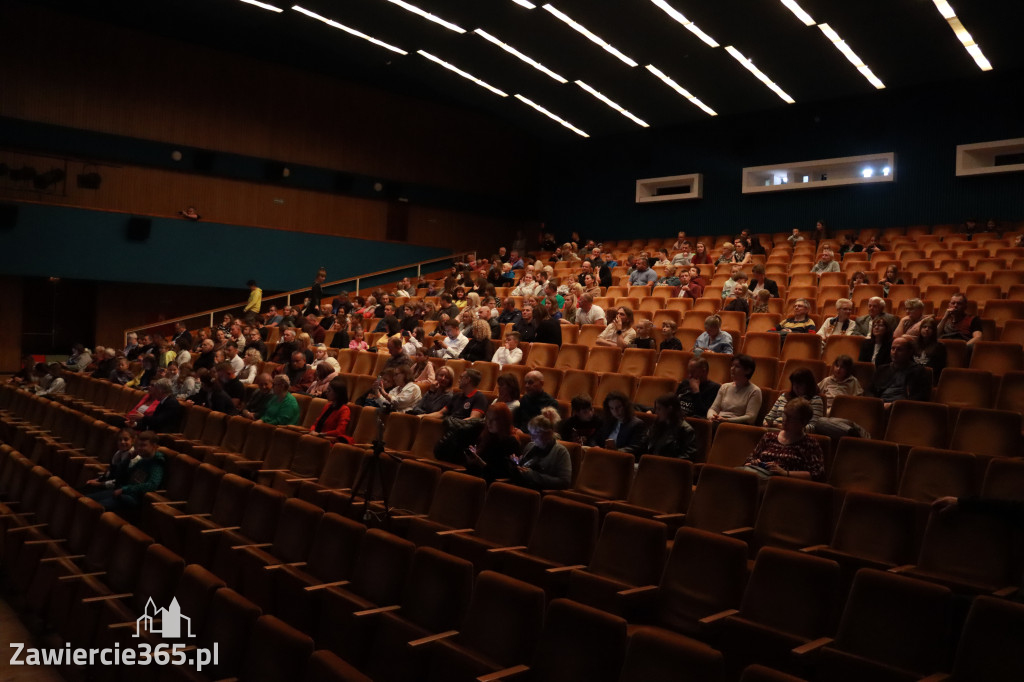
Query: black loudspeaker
point(202, 160)
point(8, 216)
point(138, 229)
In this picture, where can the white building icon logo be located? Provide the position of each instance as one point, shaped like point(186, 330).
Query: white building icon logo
point(164, 622)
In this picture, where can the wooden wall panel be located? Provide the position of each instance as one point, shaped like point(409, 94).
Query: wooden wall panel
point(114, 80)
point(10, 330)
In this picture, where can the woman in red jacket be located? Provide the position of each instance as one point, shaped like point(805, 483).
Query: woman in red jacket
point(333, 421)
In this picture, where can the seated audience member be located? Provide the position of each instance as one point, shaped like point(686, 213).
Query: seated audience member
point(207, 356)
point(495, 453)
point(116, 473)
point(144, 475)
point(671, 278)
point(789, 452)
point(644, 336)
point(740, 253)
point(713, 339)
point(902, 378)
point(801, 385)
point(479, 346)
point(300, 375)
point(281, 409)
point(451, 345)
point(826, 263)
point(438, 394)
point(545, 464)
point(856, 279)
point(131, 344)
point(509, 314)
point(840, 325)
point(80, 358)
point(305, 346)
point(799, 322)
point(688, 287)
point(735, 277)
point(184, 382)
point(696, 278)
point(508, 390)
point(321, 357)
point(873, 246)
point(533, 400)
point(286, 346)
point(56, 384)
point(405, 394)
point(146, 375)
point(670, 435)
point(487, 315)
point(211, 394)
point(696, 393)
point(591, 286)
point(231, 385)
point(739, 300)
point(528, 287)
point(106, 364)
point(957, 324)
point(395, 352)
point(683, 255)
point(231, 355)
point(588, 312)
point(850, 245)
point(795, 238)
point(758, 281)
point(467, 402)
point(643, 275)
point(622, 430)
point(891, 276)
point(548, 328)
point(324, 374)
point(182, 337)
point(739, 400)
point(701, 255)
point(620, 331)
point(876, 309)
point(165, 417)
point(875, 348)
point(334, 419)
point(509, 353)
point(910, 325)
point(583, 425)
point(668, 334)
point(928, 350)
point(257, 402)
point(759, 304)
point(357, 342)
point(413, 340)
point(756, 248)
point(839, 382)
point(422, 368)
point(728, 255)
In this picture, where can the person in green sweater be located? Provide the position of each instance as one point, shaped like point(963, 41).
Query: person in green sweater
point(145, 474)
point(282, 408)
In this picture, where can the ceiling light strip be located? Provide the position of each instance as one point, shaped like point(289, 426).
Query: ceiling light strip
point(612, 104)
point(851, 55)
point(263, 5)
point(467, 76)
point(427, 15)
point(527, 100)
point(749, 66)
point(681, 90)
point(597, 40)
point(799, 12)
point(525, 3)
point(346, 29)
point(963, 35)
point(689, 25)
point(513, 51)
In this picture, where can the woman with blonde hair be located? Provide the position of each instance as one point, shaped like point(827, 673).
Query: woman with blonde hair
point(479, 346)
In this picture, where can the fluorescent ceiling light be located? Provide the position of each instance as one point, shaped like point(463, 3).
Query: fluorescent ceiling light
point(525, 3)
point(962, 35)
point(263, 5)
point(427, 15)
point(467, 76)
point(346, 29)
point(612, 104)
point(851, 56)
point(547, 113)
point(799, 12)
point(749, 66)
point(592, 37)
point(681, 90)
point(690, 26)
point(513, 51)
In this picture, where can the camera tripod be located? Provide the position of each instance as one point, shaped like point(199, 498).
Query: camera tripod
point(371, 473)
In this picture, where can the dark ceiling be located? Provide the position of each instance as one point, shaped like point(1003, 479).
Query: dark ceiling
point(906, 43)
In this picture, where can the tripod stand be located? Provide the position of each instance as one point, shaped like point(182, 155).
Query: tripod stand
point(371, 473)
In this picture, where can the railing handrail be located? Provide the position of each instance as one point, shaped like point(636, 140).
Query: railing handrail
point(288, 294)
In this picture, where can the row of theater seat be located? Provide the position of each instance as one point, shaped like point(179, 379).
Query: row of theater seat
point(623, 563)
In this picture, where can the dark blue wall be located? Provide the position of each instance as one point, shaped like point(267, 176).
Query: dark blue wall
point(54, 241)
point(590, 186)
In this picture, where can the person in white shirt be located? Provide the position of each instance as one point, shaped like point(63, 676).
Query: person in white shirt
point(843, 324)
point(510, 353)
point(320, 357)
point(450, 346)
point(413, 341)
point(231, 355)
point(528, 287)
point(588, 313)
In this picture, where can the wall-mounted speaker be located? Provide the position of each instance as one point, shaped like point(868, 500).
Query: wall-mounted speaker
point(138, 229)
point(8, 216)
point(202, 160)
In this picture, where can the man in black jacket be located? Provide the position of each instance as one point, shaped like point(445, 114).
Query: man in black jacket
point(166, 418)
point(759, 281)
point(533, 400)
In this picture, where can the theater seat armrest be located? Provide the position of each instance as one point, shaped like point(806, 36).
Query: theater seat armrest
point(271, 471)
point(499, 550)
point(324, 586)
point(433, 638)
point(670, 517)
point(107, 597)
point(504, 674)
point(813, 548)
point(736, 532)
point(901, 569)
point(377, 611)
point(222, 529)
point(714, 618)
point(937, 677)
point(298, 480)
point(255, 545)
point(335, 490)
point(170, 503)
point(813, 646)
point(455, 531)
point(247, 462)
point(565, 569)
point(1006, 592)
point(80, 576)
point(19, 528)
point(638, 590)
point(204, 515)
point(409, 516)
point(55, 541)
point(273, 567)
